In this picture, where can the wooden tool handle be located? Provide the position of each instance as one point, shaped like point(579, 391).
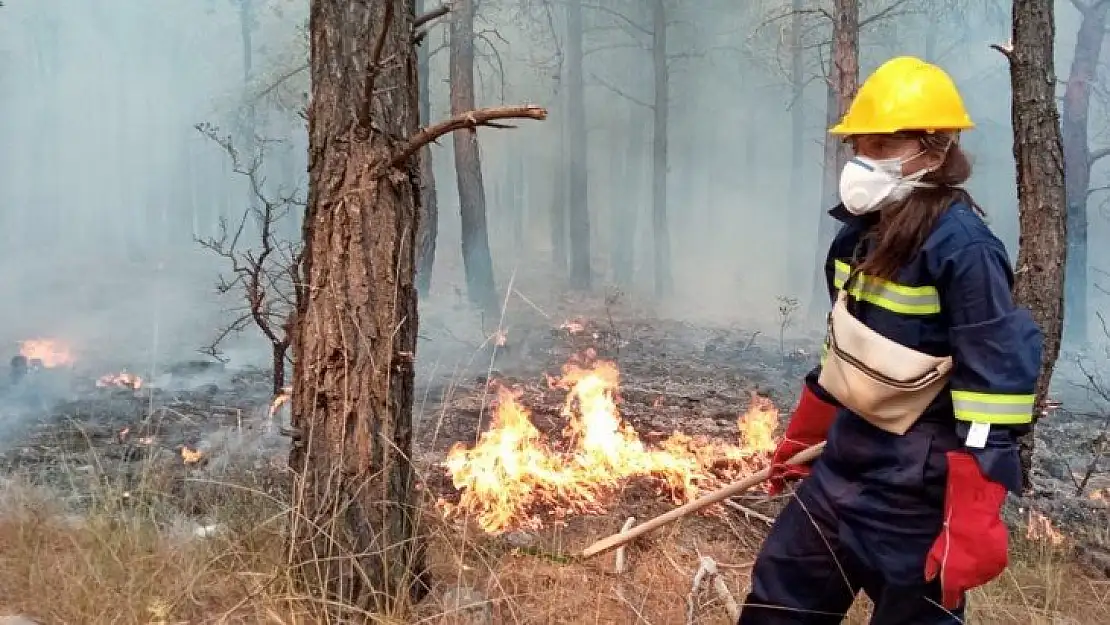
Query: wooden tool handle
point(616, 540)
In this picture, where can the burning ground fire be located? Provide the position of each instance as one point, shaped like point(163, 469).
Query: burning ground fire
point(48, 352)
point(514, 472)
point(122, 379)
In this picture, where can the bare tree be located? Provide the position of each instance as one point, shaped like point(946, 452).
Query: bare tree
point(578, 210)
point(843, 80)
point(429, 201)
point(798, 81)
point(1042, 202)
point(477, 260)
point(654, 39)
point(1079, 160)
point(268, 274)
point(355, 537)
point(558, 211)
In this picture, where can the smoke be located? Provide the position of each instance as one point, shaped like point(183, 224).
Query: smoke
point(105, 182)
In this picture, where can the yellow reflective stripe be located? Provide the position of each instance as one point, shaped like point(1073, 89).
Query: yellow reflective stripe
point(994, 408)
point(897, 298)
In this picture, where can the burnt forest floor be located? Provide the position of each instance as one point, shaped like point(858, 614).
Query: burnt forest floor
point(167, 503)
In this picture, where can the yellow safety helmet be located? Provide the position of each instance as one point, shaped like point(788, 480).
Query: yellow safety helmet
point(905, 93)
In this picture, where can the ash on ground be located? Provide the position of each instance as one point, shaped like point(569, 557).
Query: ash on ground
point(88, 439)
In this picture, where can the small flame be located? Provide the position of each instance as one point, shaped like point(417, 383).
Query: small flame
point(514, 469)
point(190, 455)
point(1040, 529)
point(280, 400)
point(757, 425)
point(49, 352)
point(122, 379)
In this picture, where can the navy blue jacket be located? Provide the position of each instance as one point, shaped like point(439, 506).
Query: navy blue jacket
point(951, 299)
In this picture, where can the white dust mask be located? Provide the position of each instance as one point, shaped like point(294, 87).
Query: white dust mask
point(867, 184)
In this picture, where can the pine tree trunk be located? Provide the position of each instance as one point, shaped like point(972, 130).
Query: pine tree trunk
point(801, 215)
point(477, 260)
point(661, 235)
point(355, 532)
point(518, 200)
point(843, 82)
point(1042, 203)
point(581, 274)
point(1077, 170)
point(558, 212)
point(429, 201)
point(626, 211)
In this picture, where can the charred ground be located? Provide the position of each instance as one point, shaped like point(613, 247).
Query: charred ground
point(123, 448)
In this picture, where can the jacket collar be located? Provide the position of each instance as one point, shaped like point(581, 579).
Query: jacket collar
point(842, 215)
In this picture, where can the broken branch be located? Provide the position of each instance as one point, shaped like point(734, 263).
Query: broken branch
point(462, 121)
point(707, 568)
point(1006, 49)
point(623, 94)
point(885, 13)
point(622, 560)
point(431, 15)
point(748, 512)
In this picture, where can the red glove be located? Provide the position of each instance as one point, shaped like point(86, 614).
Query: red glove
point(972, 548)
point(808, 426)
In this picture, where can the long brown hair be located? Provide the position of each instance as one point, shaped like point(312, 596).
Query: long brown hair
point(903, 227)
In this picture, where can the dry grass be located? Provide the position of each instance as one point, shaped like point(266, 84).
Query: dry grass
point(122, 562)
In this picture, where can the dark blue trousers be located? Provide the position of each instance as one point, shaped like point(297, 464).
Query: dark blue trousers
point(813, 565)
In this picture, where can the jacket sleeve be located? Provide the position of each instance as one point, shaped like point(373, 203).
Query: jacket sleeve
point(996, 348)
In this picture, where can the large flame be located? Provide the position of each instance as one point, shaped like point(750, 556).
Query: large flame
point(514, 471)
point(49, 352)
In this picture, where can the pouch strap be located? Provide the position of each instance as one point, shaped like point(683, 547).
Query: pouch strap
point(856, 264)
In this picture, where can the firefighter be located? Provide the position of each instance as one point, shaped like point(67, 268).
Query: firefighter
point(912, 519)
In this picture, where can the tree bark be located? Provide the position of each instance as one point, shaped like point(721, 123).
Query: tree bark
point(843, 80)
point(477, 261)
point(1077, 159)
point(581, 275)
point(355, 531)
point(277, 356)
point(518, 203)
point(1042, 204)
point(246, 30)
point(626, 211)
point(801, 215)
point(429, 201)
point(661, 235)
point(558, 212)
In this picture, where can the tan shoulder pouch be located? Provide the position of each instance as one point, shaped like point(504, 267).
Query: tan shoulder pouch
point(881, 380)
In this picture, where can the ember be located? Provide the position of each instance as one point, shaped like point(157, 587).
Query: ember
point(514, 471)
point(49, 353)
point(120, 380)
point(190, 455)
